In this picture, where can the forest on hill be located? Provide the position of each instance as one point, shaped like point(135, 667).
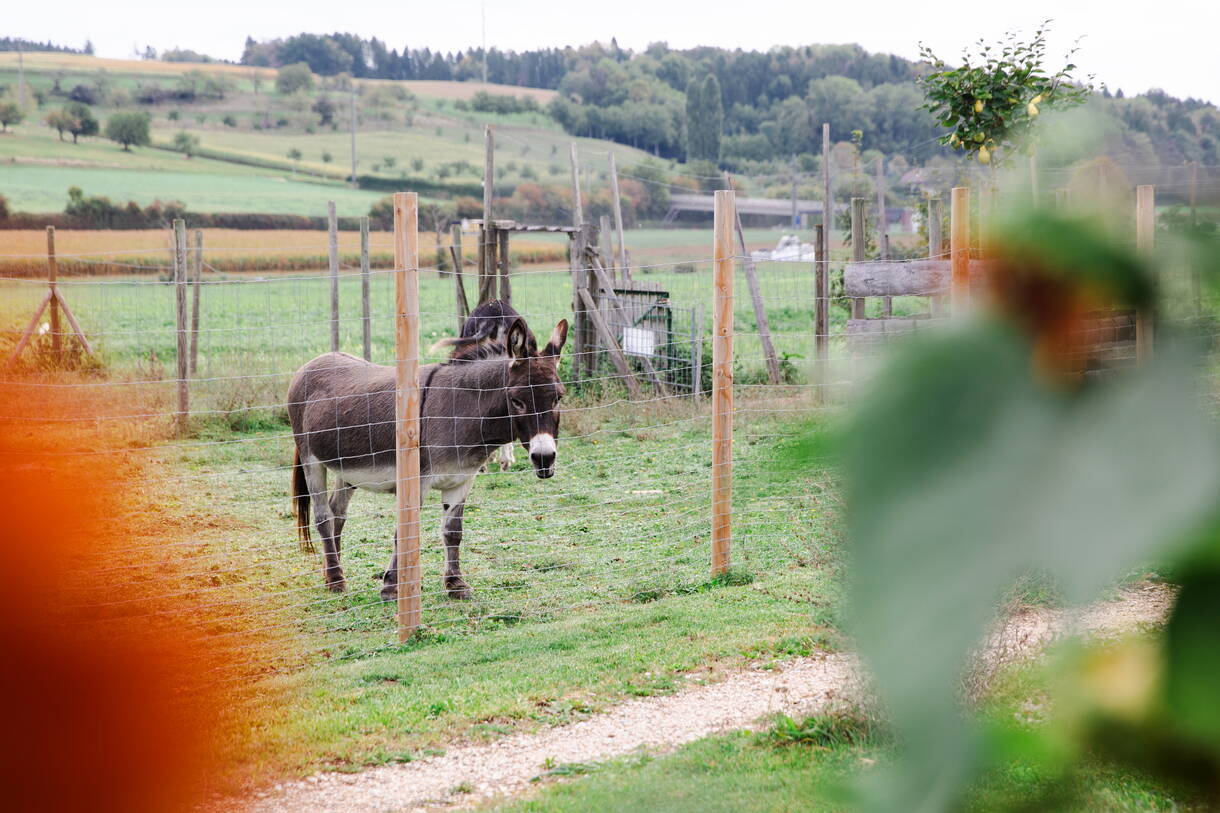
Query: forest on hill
point(770, 104)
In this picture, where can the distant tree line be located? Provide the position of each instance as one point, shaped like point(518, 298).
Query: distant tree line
point(19, 44)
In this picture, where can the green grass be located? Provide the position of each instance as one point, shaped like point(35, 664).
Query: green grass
point(820, 763)
point(734, 772)
point(590, 588)
point(45, 189)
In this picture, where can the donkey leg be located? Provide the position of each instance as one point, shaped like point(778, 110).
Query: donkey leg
point(507, 456)
point(454, 501)
point(315, 479)
point(389, 580)
point(339, 498)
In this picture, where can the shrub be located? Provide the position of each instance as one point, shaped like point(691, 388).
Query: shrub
point(229, 120)
point(293, 78)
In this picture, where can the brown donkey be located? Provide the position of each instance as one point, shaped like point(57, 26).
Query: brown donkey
point(342, 413)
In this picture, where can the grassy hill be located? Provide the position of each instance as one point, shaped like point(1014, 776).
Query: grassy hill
point(411, 134)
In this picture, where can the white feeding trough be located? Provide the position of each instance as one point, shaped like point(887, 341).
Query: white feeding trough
point(789, 249)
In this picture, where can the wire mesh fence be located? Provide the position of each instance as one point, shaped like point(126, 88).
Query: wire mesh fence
point(627, 519)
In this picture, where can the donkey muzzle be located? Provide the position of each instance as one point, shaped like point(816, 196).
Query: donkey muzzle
point(542, 455)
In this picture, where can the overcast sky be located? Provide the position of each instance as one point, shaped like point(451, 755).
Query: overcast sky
point(1169, 44)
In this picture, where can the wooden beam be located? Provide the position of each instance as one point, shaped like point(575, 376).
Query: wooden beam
point(722, 383)
point(760, 311)
point(487, 229)
point(406, 410)
point(459, 286)
point(606, 284)
point(29, 329)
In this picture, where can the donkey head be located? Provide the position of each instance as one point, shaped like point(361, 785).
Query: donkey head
point(534, 390)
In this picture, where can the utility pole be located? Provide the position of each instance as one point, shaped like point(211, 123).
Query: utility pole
point(484, 7)
point(20, 77)
point(796, 218)
point(354, 184)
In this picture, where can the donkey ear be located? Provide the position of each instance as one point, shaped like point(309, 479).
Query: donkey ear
point(558, 337)
point(518, 340)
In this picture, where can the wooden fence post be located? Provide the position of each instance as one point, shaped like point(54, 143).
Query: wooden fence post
point(196, 294)
point(506, 293)
point(332, 236)
point(722, 382)
point(883, 237)
point(828, 204)
point(53, 302)
point(821, 311)
point(406, 409)
point(959, 250)
point(936, 303)
point(859, 234)
point(582, 363)
point(624, 271)
point(1145, 231)
point(180, 283)
point(487, 234)
point(366, 314)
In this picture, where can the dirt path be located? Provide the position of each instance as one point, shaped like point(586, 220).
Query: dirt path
point(469, 774)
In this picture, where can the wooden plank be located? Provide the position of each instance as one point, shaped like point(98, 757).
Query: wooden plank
point(582, 362)
point(722, 383)
point(180, 323)
point(52, 285)
point(624, 270)
point(858, 236)
point(366, 313)
point(760, 311)
point(959, 250)
point(616, 353)
point(332, 237)
point(1145, 236)
point(76, 328)
point(196, 294)
point(406, 409)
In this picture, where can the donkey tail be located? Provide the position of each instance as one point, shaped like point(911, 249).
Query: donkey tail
point(300, 502)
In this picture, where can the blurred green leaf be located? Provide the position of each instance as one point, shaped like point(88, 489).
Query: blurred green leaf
point(964, 472)
point(1192, 652)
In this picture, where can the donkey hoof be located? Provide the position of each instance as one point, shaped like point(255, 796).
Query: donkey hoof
point(389, 594)
point(337, 585)
point(458, 589)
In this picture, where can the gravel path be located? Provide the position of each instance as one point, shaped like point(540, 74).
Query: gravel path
point(803, 686)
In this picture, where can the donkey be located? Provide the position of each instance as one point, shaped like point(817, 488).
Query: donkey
point(342, 413)
point(483, 334)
